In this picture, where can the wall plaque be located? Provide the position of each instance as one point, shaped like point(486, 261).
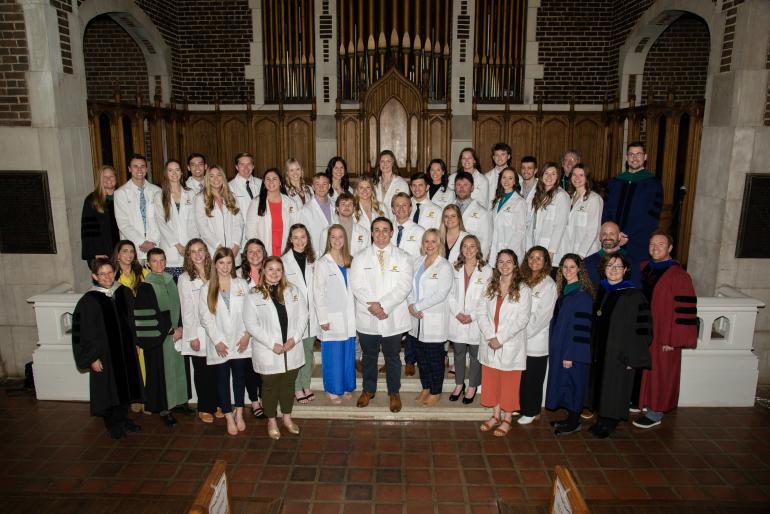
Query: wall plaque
point(26, 223)
point(753, 233)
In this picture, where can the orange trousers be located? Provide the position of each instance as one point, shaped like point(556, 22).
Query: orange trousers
point(500, 388)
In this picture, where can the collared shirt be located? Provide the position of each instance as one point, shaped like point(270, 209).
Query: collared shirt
point(462, 204)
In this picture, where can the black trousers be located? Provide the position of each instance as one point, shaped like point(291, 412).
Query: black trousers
point(115, 416)
point(253, 384)
point(531, 391)
point(391, 346)
point(430, 359)
point(205, 384)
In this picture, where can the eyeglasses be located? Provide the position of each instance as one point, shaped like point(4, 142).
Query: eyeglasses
point(635, 155)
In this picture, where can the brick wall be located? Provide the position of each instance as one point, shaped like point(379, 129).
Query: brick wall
point(14, 62)
point(767, 101)
point(730, 8)
point(113, 59)
point(678, 61)
point(63, 8)
point(625, 15)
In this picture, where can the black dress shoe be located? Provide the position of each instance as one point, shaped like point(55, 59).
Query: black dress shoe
point(184, 409)
point(116, 432)
point(130, 427)
point(468, 401)
point(455, 397)
point(169, 420)
point(559, 423)
point(567, 430)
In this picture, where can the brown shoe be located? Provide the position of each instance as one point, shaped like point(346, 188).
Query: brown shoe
point(431, 400)
point(206, 417)
point(382, 369)
point(409, 370)
point(423, 394)
point(359, 366)
point(395, 403)
point(364, 399)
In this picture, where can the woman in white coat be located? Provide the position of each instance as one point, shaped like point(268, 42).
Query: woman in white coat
point(509, 216)
point(299, 263)
point(387, 182)
point(438, 187)
point(219, 221)
point(503, 314)
point(536, 270)
point(197, 264)
point(276, 316)
point(335, 310)
point(585, 215)
point(368, 208)
point(175, 213)
point(220, 308)
point(452, 232)
point(271, 213)
point(427, 303)
point(254, 255)
point(547, 221)
point(471, 276)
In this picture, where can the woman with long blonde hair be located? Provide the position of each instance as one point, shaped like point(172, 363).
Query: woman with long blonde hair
point(368, 208)
point(174, 212)
point(98, 228)
point(296, 187)
point(452, 231)
point(219, 221)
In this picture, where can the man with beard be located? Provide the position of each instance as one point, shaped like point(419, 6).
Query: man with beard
point(528, 176)
point(568, 162)
point(609, 235)
point(501, 156)
point(196, 167)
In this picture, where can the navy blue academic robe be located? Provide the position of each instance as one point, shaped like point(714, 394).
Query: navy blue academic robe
point(634, 203)
point(570, 340)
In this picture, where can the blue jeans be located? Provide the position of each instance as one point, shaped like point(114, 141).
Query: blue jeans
point(238, 369)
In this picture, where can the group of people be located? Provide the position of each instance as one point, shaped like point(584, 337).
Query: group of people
point(527, 273)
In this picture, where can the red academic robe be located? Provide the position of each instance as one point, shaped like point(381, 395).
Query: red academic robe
point(674, 323)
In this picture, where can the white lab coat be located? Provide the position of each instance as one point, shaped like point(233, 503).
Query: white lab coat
point(334, 301)
point(411, 239)
point(509, 226)
point(454, 252)
point(261, 227)
point(179, 228)
point(238, 187)
point(478, 221)
point(430, 214)
point(466, 301)
point(389, 287)
point(583, 226)
point(189, 299)
point(366, 221)
point(222, 228)
point(480, 191)
point(305, 285)
point(261, 320)
point(546, 226)
point(227, 324)
point(194, 185)
point(530, 195)
point(313, 217)
point(443, 197)
point(435, 285)
point(359, 240)
point(543, 301)
point(493, 178)
point(511, 331)
point(129, 217)
point(397, 185)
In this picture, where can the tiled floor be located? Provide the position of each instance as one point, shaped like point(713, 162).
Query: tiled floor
point(54, 449)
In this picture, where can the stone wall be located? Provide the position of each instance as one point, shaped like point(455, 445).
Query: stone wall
point(14, 63)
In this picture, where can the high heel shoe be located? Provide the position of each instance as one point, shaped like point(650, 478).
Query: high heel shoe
point(454, 397)
point(468, 401)
point(273, 433)
point(292, 427)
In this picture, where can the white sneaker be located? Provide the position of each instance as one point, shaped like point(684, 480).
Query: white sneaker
point(526, 420)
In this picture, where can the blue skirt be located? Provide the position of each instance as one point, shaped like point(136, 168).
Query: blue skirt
point(338, 361)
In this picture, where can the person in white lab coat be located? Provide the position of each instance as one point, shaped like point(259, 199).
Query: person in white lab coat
point(501, 156)
point(197, 168)
point(252, 259)
point(276, 316)
point(469, 163)
point(386, 180)
point(471, 275)
point(359, 237)
point(271, 213)
point(476, 219)
point(536, 270)
point(245, 185)
point(503, 314)
point(438, 186)
point(509, 216)
point(175, 214)
point(220, 308)
point(368, 208)
point(424, 212)
point(548, 214)
point(298, 263)
point(135, 208)
point(452, 231)
point(427, 304)
point(585, 215)
point(217, 215)
point(528, 176)
point(318, 213)
point(296, 187)
point(407, 235)
point(197, 265)
point(337, 172)
point(381, 278)
point(335, 310)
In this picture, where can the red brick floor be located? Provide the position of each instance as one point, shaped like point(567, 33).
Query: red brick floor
point(706, 455)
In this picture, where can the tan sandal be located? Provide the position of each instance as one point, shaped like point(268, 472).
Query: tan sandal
point(489, 424)
point(500, 431)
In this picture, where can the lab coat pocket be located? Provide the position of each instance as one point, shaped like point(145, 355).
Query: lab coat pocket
point(337, 329)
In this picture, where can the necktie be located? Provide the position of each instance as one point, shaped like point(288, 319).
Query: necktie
point(416, 216)
point(143, 207)
point(248, 189)
point(381, 260)
point(400, 233)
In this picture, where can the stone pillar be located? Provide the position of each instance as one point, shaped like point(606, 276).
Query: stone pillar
point(532, 69)
point(326, 45)
point(464, 21)
point(57, 141)
point(735, 142)
point(255, 69)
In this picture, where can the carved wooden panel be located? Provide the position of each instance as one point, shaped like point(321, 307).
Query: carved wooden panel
point(349, 142)
point(300, 145)
point(235, 139)
point(522, 139)
point(554, 139)
point(588, 137)
point(490, 130)
point(437, 147)
point(393, 130)
point(202, 137)
point(267, 135)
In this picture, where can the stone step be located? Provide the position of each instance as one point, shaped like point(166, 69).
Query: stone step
point(409, 384)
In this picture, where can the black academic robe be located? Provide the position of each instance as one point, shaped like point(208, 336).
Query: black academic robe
point(622, 333)
point(101, 330)
point(98, 230)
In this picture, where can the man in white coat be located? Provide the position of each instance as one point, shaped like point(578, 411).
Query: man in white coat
point(477, 220)
point(135, 208)
point(318, 213)
point(501, 156)
point(197, 168)
point(424, 212)
point(244, 185)
point(407, 234)
point(528, 176)
point(381, 279)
